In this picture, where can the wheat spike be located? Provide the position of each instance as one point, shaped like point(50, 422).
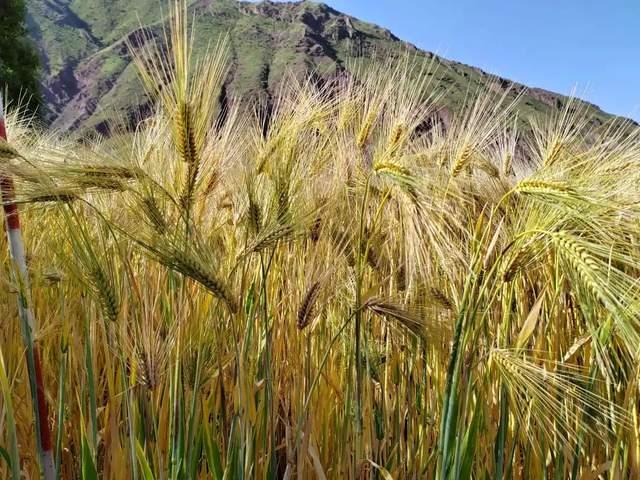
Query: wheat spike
point(365, 131)
point(392, 168)
point(441, 298)
point(411, 320)
point(489, 168)
point(395, 139)
point(347, 114)
point(578, 252)
point(63, 196)
point(106, 293)
point(554, 153)
point(282, 213)
point(185, 134)
point(271, 237)
point(585, 264)
point(192, 267)
point(516, 263)
point(543, 187)
point(315, 230)
point(305, 312)
point(7, 152)
point(507, 164)
point(96, 171)
point(154, 215)
point(462, 161)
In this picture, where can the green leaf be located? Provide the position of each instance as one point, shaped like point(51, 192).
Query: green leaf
point(89, 471)
point(195, 454)
point(469, 445)
point(213, 455)
point(4, 454)
point(144, 464)
point(234, 469)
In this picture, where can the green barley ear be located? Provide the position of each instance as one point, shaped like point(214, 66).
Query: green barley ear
point(270, 236)
point(554, 151)
point(392, 168)
point(603, 281)
point(505, 148)
point(153, 214)
point(94, 260)
point(189, 264)
point(400, 175)
point(147, 346)
point(121, 172)
point(106, 293)
point(62, 195)
point(544, 188)
point(89, 176)
point(7, 152)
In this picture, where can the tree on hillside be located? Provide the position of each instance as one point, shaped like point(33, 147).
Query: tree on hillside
point(18, 58)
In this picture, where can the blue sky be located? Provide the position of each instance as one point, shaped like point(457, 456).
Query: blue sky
point(593, 45)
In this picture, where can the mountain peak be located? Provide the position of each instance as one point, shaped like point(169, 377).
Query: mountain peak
point(89, 77)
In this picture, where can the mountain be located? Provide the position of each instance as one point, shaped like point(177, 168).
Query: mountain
point(89, 78)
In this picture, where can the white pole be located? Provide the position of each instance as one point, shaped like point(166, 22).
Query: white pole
point(17, 253)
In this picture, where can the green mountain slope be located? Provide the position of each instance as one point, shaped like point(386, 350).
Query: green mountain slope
point(89, 76)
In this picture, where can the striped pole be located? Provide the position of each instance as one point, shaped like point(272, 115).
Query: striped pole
point(27, 319)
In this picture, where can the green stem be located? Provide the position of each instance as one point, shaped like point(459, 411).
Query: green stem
point(502, 433)
point(270, 434)
point(358, 325)
point(61, 400)
point(92, 387)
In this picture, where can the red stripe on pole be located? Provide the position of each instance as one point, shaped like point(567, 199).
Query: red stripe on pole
point(43, 411)
point(10, 209)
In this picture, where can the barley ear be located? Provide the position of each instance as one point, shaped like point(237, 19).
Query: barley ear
point(306, 310)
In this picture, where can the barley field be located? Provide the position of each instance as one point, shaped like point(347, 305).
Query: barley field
point(342, 289)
